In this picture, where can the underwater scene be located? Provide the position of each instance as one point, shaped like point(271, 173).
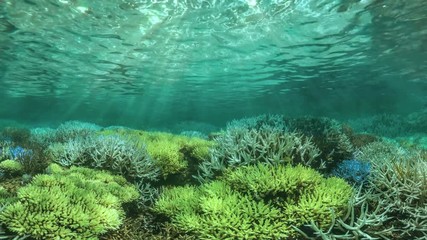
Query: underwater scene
point(213, 119)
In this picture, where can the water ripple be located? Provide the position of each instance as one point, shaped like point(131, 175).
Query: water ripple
point(213, 49)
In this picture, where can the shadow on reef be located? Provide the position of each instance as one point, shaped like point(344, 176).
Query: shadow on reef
point(266, 177)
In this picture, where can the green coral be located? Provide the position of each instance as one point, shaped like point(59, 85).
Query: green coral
point(256, 202)
point(329, 199)
point(11, 167)
point(78, 203)
point(242, 144)
point(302, 193)
point(264, 180)
point(171, 153)
point(260, 201)
point(167, 156)
point(215, 211)
point(6, 197)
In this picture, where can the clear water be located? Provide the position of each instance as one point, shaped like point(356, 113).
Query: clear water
point(187, 67)
point(153, 63)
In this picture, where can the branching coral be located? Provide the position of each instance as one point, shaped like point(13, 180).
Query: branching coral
point(6, 197)
point(402, 184)
point(255, 202)
point(5, 149)
point(78, 203)
point(17, 135)
point(265, 181)
point(11, 167)
point(330, 197)
point(301, 192)
point(114, 153)
point(361, 221)
point(394, 202)
point(245, 146)
point(75, 129)
point(215, 211)
point(328, 135)
point(173, 154)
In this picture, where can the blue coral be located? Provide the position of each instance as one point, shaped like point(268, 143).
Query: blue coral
point(19, 153)
point(353, 171)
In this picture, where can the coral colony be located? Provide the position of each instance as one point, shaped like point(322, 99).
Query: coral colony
point(267, 177)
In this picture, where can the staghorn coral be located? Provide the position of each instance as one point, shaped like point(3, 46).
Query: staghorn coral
point(393, 202)
point(329, 197)
point(42, 137)
point(5, 235)
point(245, 146)
point(147, 194)
point(265, 181)
point(125, 156)
point(361, 221)
point(215, 211)
point(75, 129)
point(78, 203)
point(255, 202)
point(302, 193)
point(113, 153)
point(327, 134)
point(167, 156)
point(6, 197)
point(173, 154)
point(402, 185)
point(142, 227)
point(129, 158)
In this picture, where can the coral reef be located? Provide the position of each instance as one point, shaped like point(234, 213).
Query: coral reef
point(215, 211)
point(255, 202)
point(173, 154)
point(302, 193)
point(112, 152)
point(18, 135)
point(75, 129)
point(353, 171)
point(261, 178)
point(78, 203)
point(244, 146)
point(5, 146)
point(266, 182)
point(328, 135)
point(11, 167)
point(393, 201)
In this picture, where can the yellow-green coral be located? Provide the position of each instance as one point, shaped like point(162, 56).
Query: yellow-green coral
point(167, 156)
point(171, 153)
point(78, 203)
point(179, 199)
point(262, 179)
point(302, 193)
point(330, 198)
point(6, 197)
point(256, 202)
point(11, 167)
point(215, 211)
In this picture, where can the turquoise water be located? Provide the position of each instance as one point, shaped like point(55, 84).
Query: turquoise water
point(243, 119)
point(155, 63)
